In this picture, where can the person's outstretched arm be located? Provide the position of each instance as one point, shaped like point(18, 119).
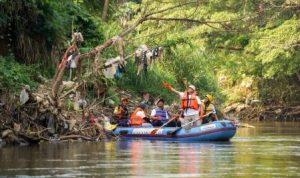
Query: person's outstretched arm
point(170, 88)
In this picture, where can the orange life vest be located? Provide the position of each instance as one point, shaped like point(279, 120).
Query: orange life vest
point(136, 120)
point(189, 103)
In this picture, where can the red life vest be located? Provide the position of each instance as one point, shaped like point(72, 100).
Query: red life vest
point(189, 103)
point(136, 120)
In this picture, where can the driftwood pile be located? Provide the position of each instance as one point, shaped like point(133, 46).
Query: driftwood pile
point(36, 116)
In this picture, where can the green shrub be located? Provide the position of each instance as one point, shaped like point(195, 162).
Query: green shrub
point(151, 83)
point(69, 104)
point(14, 76)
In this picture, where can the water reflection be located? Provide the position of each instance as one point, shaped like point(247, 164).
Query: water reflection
point(269, 150)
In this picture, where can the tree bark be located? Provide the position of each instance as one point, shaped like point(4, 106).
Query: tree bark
point(298, 76)
point(105, 10)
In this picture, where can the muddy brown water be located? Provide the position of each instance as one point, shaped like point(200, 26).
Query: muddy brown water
point(269, 150)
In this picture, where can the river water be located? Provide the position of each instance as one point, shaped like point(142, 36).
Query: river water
point(269, 150)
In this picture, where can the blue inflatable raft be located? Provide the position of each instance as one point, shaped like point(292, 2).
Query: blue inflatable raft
point(222, 130)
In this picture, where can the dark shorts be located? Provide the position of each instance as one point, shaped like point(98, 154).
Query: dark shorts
point(120, 122)
point(158, 123)
point(208, 119)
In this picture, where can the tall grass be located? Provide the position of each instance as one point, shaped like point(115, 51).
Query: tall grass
point(151, 82)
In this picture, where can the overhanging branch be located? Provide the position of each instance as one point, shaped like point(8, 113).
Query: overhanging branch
point(186, 20)
point(110, 41)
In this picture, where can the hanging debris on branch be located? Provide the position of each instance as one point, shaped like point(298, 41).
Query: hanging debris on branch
point(49, 112)
point(145, 58)
point(72, 63)
point(113, 68)
point(77, 38)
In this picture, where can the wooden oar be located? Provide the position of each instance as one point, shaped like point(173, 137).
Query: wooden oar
point(153, 132)
point(244, 125)
point(174, 131)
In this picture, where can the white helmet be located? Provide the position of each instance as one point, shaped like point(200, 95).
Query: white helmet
point(192, 87)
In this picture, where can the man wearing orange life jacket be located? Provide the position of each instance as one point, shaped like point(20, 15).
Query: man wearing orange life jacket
point(138, 117)
point(190, 104)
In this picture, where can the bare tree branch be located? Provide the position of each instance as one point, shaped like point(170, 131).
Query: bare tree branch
point(196, 20)
point(109, 42)
point(208, 23)
point(57, 80)
point(164, 2)
point(185, 20)
point(272, 46)
point(232, 48)
point(171, 8)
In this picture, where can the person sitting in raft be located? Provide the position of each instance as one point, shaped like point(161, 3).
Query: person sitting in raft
point(139, 117)
point(160, 115)
point(190, 104)
point(146, 99)
point(121, 115)
point(208, 112)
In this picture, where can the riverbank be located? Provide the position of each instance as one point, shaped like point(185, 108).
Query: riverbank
point(263, 112)
point(34, 116)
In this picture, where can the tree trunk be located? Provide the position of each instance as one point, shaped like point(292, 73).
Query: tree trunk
point(105, 10)
point(298, 76)
point(57, 82)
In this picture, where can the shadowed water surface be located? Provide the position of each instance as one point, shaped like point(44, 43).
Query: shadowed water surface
point(269, 150)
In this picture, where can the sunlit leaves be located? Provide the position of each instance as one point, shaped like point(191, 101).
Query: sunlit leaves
point(276, 49)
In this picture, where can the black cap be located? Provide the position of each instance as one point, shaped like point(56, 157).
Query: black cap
point(160, 100)
point(142, 105)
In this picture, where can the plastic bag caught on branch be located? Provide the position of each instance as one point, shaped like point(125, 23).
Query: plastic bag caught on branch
point(114, 67)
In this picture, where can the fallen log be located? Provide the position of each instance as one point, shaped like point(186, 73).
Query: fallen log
point(295, 113)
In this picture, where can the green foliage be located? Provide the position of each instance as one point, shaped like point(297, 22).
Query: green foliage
point(111, 93)
point(277, 50)
point(47, 26)
point(151, 83)
point(87, 24)
point(255, 39)
point(236, 39)
point(14, 76)
point(69, 104)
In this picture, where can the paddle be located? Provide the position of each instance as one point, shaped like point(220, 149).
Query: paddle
point(173, 132)
point(153, 132)
point(244, 125)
